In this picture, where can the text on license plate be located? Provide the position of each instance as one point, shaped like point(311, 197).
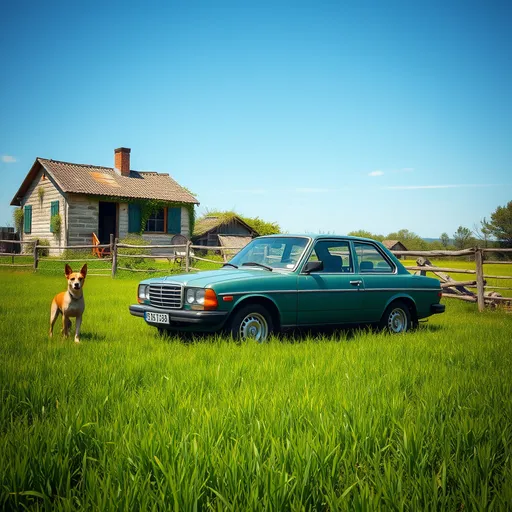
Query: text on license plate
point(159, 318)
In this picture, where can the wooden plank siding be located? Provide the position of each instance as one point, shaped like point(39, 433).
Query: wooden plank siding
point(82, 219)
point(41, 212)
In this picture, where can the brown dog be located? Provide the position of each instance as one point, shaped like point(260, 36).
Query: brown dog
point(70, 303)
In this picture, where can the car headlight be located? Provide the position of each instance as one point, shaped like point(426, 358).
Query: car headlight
point(195, 296)
point(191, 296)
point(199, 298)
point(143, 292)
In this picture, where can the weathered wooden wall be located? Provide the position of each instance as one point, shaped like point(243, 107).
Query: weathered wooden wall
point(82, 219)
point(41, 212)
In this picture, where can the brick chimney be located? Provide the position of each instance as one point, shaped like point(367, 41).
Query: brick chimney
point(122, 161)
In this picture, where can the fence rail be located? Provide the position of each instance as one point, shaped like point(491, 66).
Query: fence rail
point(184, 254)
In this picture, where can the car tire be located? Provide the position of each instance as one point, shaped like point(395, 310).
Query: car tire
point(251, 323)
point(397, 318)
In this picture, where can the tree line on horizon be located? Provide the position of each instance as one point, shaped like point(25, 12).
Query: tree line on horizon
point(495, 232)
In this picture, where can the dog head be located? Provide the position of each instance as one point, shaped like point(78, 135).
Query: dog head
point(75, 279)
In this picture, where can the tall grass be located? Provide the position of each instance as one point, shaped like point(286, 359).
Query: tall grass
point(350, 420)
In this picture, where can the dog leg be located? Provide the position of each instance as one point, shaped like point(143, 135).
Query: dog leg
point(66, 324)
point(54, 313)
point(78, 323)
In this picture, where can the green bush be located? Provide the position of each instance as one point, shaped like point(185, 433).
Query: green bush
point(56, 224)
point(125, 253)
point(29, 247)
point(18, 219)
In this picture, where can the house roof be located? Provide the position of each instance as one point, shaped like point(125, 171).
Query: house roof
point(105, 181)
point(208, 223)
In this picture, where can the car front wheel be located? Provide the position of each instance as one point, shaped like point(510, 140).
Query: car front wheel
point(396, 318)
point(252, 322)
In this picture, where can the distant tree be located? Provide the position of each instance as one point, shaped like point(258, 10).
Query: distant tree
point(411, 240)
point(500, 225)
point(365, 234)
point(261, 226)
point(445, 240)
point(482, 232)
point(463, 238)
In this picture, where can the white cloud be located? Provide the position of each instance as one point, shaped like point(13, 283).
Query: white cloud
point(8, 159)
point(376, 173)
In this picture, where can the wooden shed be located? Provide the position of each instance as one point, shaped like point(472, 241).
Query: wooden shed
point(223, 230)
point(394, 245)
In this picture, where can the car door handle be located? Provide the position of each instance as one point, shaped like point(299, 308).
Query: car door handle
point(356, 283)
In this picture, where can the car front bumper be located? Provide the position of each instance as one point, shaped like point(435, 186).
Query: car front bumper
point(183, 319)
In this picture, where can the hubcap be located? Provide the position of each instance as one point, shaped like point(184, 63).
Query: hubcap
point(254, 327)
point(397, 321)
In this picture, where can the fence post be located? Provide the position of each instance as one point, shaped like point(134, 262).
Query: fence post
point(111, 248)
point(480, 283)
point(36, 255)
point(114, 257)
point(187, 256)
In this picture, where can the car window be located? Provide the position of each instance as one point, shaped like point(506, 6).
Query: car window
point(282, 253)
point(370, 259)
point(335, 255)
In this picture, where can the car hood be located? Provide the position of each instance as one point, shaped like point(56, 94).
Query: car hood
point(210, 278)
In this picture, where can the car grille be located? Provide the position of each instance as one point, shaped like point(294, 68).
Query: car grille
point(169, 296)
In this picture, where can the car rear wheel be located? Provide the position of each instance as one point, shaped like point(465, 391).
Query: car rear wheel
point(396, 318)
point(252, 322)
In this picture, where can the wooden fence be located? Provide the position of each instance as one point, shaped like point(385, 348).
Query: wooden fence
point(458, 289)
point(184, 255)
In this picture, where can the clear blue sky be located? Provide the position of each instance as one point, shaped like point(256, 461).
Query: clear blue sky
point(321, 116)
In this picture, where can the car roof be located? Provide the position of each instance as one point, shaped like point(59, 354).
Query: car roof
point(320, 237)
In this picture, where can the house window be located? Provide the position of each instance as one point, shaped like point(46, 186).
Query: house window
point(156, 222)
point(165, 220)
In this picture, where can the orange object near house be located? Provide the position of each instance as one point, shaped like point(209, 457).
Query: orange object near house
point(101, 252)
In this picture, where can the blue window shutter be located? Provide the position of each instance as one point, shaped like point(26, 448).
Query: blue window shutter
point(134, 218)
point(27, 219)
point(174, 220)
point(54, 211)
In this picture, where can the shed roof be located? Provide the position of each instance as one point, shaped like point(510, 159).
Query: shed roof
point(208, 223)
point(389, 244)
point(105, 181)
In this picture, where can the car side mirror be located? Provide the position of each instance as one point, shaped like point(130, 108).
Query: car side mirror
point(313, 266)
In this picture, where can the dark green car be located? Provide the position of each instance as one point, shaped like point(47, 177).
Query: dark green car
point(283, 281)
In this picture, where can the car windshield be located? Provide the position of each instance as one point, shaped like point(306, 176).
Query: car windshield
point(272, 253)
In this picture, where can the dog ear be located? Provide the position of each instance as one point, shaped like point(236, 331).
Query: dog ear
point(68, 270)
point(84, 270)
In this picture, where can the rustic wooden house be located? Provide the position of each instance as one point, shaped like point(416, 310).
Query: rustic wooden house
point(223, 231)
point(394, 245)
point(87, 199)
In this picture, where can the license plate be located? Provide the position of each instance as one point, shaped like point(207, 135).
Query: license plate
point(158, 318)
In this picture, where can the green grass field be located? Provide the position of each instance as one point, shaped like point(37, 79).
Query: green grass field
point(350, 420)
